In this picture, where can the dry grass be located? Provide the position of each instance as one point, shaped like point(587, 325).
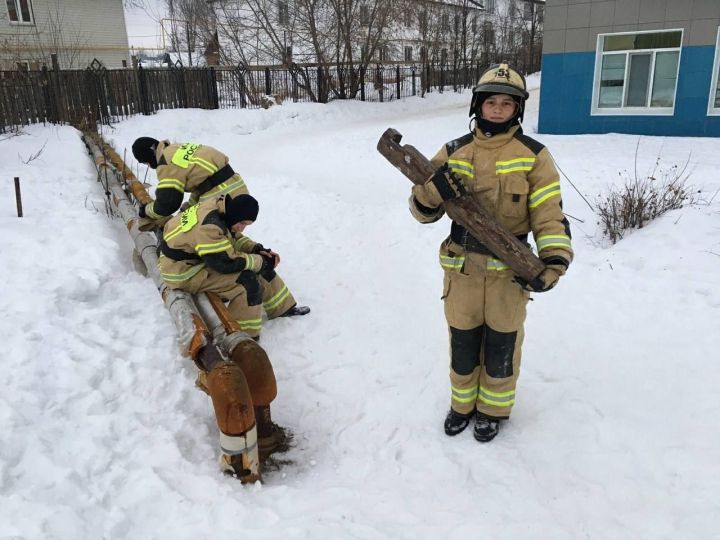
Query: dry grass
point(642, 199)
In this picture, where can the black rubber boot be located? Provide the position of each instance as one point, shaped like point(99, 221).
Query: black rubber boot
point(296, 311)
point(486, 428)
point(456, 423)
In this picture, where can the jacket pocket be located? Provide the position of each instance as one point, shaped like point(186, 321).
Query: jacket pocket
point(514, 196)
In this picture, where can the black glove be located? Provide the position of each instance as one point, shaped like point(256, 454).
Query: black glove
point(258, 248)
point(141, 211)
point(548, 278)
point(268, 264)
point(449, 185)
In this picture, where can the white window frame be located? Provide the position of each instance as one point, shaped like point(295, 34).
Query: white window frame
point(19, 12)
point(633, 111)
point(712, 110)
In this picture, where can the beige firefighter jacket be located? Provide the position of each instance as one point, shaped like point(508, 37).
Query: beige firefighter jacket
point(199, 233)
point(181, 169)
point(513, 177)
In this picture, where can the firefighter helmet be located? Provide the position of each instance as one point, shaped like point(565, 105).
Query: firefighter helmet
point(499, 79)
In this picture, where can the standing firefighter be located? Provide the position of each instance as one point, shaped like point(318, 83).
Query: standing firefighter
point(204, 250)
point(513, 177)
point(198, 169)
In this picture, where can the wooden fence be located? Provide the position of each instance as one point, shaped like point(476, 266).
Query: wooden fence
point(95, 95)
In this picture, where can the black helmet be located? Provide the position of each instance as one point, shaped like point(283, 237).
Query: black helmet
point(144, 150)
point(241, 208)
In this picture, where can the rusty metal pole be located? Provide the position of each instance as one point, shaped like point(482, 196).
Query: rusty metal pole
point(18, 197)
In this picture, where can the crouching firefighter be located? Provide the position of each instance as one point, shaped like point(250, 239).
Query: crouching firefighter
point(198, 169)
point(204, 250)
point(513, 177)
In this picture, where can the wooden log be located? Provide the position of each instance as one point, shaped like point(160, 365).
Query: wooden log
point(465, 210)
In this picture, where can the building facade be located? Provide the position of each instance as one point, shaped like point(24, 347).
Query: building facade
point(76, 31)
point(631, 66)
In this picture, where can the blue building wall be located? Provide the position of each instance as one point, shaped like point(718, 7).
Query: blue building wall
point(566, 95)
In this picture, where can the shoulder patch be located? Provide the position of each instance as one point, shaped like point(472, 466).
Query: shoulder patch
point(531, 143)
point(214, 218)
point(455, 145)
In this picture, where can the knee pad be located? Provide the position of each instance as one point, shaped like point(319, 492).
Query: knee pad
point(499, 351)
point(465, 349)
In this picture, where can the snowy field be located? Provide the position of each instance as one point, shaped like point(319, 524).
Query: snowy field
point(103, 435)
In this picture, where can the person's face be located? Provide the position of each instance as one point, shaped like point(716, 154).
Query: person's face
point(499, 108)
point(240, 226)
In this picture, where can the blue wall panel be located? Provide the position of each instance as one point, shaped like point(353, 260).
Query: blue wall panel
point(566, 95)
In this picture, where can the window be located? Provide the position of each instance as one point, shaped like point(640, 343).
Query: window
point(489, 6)
point(474, 24)
point(364, 15)
point(443, 56)
point(714, 105)
point(288, 55)
point(408, 18)
point(636, 73)
point(20, 11)
point(445, 22)
point(283, 13)
point(422, 21)
point(408, 54)
point(528, 11)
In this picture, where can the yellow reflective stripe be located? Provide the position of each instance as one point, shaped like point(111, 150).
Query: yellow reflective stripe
point(541, 195)
point(520, 160)
point(209, 167)
point(172, 183)
point(464, 395)
point(215, 247)
point(452, 263)
point(513, 165)
point(172, 234)
point(241, 242)
point(553, 240)
point(461, 167)
point(496, 399)
point(222, 189)
point(496, 265)
point(250, 324)
point(277, 299)
point(249, 262)
point(184, 276)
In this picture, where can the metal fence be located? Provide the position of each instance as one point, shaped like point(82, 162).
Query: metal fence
point(98, 95)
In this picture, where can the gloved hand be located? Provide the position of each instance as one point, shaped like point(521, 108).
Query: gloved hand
point(268, 264)
point(259, 248)
point(148, 224)
point(449, 185)
point(548, 278)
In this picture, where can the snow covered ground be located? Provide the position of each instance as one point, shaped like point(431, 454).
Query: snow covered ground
point(103, 435)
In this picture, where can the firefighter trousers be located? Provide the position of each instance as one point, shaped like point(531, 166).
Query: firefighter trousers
point(245, 302)
point(485, 312)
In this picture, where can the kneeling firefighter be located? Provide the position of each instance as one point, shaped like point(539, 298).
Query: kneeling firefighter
point(513, 177)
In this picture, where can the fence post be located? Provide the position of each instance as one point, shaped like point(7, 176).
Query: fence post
point(362, 83)
point(379, 81)
point(50, 105)
point(214, 94)
point(18, 197)
point(397, 76)
point(59, 109)
point(320, 84)
point(442, 78)
point(268, 82)
point(142, 87)
point(413, 71)
point(241, 86)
